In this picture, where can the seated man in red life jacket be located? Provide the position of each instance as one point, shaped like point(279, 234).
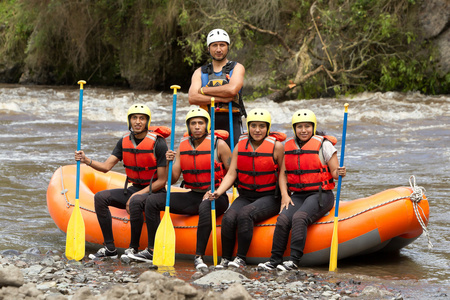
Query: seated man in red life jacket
point(143, 155)
point(193, 159)
point(223, 80)
point(307, 176)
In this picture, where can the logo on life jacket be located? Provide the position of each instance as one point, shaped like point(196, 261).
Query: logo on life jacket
point(210, 78)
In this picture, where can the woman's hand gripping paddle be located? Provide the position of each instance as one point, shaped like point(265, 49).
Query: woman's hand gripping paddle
point(334, 239)
point(213, 202)
point(230, 117)
point(75, 236)
point(164, 251)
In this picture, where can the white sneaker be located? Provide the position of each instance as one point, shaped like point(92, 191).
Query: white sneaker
point(199, 264)
point(223, 264)
point(125, 257)
point(287, 266)
point(237, 263)
point(103, 253)
point(145, 256)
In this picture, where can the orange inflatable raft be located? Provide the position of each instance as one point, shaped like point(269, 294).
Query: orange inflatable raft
point(387, 221)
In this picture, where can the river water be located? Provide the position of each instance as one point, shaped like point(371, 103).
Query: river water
point(390, 136)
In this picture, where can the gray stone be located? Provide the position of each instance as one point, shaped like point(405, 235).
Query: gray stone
point(149, 276)
point(236, 292)
point(11, 276)
point(186, 290)
point(217, 277)
point(433, 17)
point(443, 45)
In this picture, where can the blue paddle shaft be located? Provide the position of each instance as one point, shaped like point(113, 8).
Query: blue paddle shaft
point(341, 164)
point(230, 117)
point(172, 141)
point(213, 202)
point(80, 118)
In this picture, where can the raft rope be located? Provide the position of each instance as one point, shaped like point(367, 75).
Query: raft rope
point(415, 197)
point(68, 204)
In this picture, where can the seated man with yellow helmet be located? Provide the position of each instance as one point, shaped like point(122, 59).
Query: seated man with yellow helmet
point(143, 155)
point(193, 159)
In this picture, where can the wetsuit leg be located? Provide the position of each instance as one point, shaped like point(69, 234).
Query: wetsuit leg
point(102, 201)
point(180, 203)
point(282, 231)
point(309, 212)
point(229, 226)
point(137, 207)
point(204, 221)
point(259, 210)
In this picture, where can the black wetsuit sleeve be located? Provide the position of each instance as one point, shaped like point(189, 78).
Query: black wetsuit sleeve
point(160, 152)
point(117, 152)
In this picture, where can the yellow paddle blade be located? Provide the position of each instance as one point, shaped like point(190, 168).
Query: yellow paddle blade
point(164, 251)
point(214, 235)
point(334, 247)
point(75, 236)
point(234, 195)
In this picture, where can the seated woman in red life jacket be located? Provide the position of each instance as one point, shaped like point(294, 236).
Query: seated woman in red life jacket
point(193, 159)
point(306, 196)
point(254, 167)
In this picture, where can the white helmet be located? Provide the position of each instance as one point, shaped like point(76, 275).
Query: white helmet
point(217, 35)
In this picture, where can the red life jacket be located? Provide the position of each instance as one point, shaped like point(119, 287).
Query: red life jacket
point(196, 164)
point(140, 161)
point(305, 171)
point(257, 170)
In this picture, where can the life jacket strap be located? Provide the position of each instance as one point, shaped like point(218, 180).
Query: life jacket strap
point(255, 154)
point(300, 172)
point(300, 151)
point(135, 168)
point(194, 152)
point(256, 173)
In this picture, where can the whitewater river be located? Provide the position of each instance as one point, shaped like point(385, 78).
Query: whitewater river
point(390, 137)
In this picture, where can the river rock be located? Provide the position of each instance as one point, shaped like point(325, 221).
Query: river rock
point(217, 277)
point(11, 276)
point(443, 45)
point(236, 292)
point(433, 17)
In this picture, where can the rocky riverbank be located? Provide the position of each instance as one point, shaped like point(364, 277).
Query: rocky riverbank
point(33, 275)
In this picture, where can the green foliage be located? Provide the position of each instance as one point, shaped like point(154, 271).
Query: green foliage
point(363, 44)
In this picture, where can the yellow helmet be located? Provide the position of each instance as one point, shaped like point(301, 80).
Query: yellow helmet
point(139, 109)
point(198, 112)
point(304, 115)
point(259, 115)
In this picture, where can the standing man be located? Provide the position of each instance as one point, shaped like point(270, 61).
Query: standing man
point(221, 79)
point(143, 155)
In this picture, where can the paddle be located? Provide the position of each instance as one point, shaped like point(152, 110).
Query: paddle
point(164, 250)
point(213, 202)
point(75, 237)
point(334, 239)
point(230, 117)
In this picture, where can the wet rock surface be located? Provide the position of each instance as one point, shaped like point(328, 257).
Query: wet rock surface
point(32, 275)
